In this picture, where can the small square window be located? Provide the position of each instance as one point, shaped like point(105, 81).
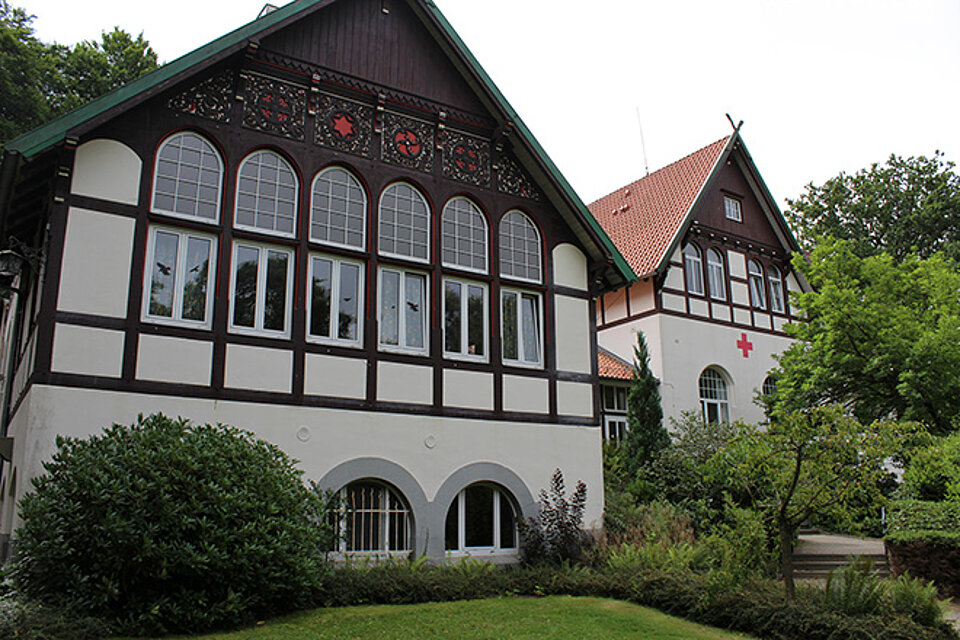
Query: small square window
point(731, 206)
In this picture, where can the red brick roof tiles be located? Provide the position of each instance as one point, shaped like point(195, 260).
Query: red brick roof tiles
point(611, 366)
point(644, 216)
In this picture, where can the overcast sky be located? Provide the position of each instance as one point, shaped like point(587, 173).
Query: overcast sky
point(822, 86)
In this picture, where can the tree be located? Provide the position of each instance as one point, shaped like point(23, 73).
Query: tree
point(879, 336)
point(646, 435)
point(23, 66)
point(909, 205)
point(803, 464)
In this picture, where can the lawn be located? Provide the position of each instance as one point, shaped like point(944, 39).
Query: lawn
point(554, 617)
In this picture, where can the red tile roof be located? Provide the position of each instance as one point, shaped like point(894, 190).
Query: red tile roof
point(613, 367)
point(643, 217)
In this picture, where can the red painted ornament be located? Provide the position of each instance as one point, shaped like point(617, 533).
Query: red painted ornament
point(407, 143)
point(343, 125)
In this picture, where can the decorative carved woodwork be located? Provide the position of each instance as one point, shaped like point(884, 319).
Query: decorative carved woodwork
point(274, 106)
point(344, 125)
point(513, 180)
point(209, 99)
point(466, 158)
point(407, 142)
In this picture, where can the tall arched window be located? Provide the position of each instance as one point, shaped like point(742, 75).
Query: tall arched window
point(187, 178)
point(758, 297)
point(481, 519)
point(776, 291)
point(715, 275)
point(266, 194)
point(338, 209)
point(404, 222)
point(376, 517)
point(713, 396)
point(519, 247)
point(464, 236)
point(693, 268)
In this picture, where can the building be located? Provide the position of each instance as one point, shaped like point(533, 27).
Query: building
point(712, 253)
point(330, 228)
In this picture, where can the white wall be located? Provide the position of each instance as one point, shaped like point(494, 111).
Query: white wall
point(108, 170)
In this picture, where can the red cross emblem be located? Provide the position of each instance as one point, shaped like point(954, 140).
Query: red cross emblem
point(744, 345)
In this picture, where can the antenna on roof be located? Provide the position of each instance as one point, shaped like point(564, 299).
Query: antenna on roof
point(736, 127)
point(643, 145)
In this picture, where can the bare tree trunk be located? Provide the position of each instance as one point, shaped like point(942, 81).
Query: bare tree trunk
point(786, 557)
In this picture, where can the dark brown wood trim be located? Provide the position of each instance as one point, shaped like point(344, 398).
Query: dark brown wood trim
point(88, 320)
point(104, 206)
point(575, 293)
point(617, 323)
point(724, 323)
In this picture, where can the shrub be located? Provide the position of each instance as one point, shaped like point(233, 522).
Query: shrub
point(557, 533)
point(915, 599)
point(854, 589)
point(32, 621)
point(169, 526)
point(914, 518)
point(933, 472)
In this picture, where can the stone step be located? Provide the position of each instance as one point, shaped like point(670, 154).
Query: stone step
point(799, 574)
point(816, 566)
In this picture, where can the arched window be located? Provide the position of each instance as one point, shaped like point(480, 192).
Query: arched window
point(715, 275)
point(693, 267)
point(482, 518)
point(776, 291)
point(769, 386)
point(519, 247)
point(376, 517)
point(266, 194)
point(713, 396)
point(464, 236)
point(404, 222)
point(758, 296)
point(187, 178)
point(338, 209)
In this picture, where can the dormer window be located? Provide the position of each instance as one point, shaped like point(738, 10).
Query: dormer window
point(731, 207)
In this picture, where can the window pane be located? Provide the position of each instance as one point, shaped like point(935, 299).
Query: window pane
point(508, 524)
point(519, 247)
point(321, 290)
point(195, 279)
point(451, 529)
point(475, 320)
point(349, 291)
point(451, 323)
point(531, 329)
point(609, 401)
point(478, 518)
point(509, 326)
point(275, 305)
point(245, 289)
point(389, 303)
point(462, 224)
point(404, 222)
point(164, 274)
point(414, 298)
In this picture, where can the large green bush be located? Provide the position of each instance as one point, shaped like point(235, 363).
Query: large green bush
point(933, 472)
point(168, 526)
point(923, 521)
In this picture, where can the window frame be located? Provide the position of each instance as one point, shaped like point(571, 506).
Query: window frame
point(536, 231)
point(718, 292)
point(521, 349)
point(689, 271)
point(756, 284)
point(486, 236)
point(464, 354)
point(263, 250)
point(727, 209)
point(366, 203)
point(183, 237)
point(220, 180)
point(380, 235)
point(777, 297)
point(500, 493)
point(337, 263)
point(615, 428)
point(384, 514)
point(401, 317)
point(722, 404)
point(296, 197)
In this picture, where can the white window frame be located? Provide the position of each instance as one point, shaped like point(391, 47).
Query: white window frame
point(475, 210)
point(497, 548)
point(521, 347)
point(722, 404)
point(296, 197)
point(755, 279)
point(363, 227)
point(777, 302)
point(536, 231)
point(463, 353)
point(385, 514)
point(156, 167)
point(335, 283)
point(402, 317)
point(615, 412)
point(733, 208)
point(716, 277)
point(260, 304)
point(615, 428)
point(426, 203)
point(693, 273)
point(183, 237)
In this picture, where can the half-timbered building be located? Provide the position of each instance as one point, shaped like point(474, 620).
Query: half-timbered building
point(330, 228)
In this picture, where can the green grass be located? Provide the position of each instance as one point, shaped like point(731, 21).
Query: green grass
point(554, 617)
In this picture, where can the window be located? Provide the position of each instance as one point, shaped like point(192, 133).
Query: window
point(267, 194)
point(178, 277)
point(731, 207)
point(464, 236)
point(375, 518)
point(776, 291)
point(482, 517)
point(338, 209)
point(758, 297)
point(333, 304)
point(769, 386)
point(404, 223)
point(715, 275)
point(614, 413)
point(187, 177)
point(519, 247)
point(693, 267)
point(403, 310)
point(465, 319)
point(260, 289)
point(520, 315)
point(713, 396)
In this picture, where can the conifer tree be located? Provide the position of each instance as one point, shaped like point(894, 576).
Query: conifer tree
point(646, 435)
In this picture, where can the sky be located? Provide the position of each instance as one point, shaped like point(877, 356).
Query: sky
point(822, 86)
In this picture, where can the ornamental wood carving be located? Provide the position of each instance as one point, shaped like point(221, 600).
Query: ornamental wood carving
point(466, 158)
point(274, 106)
point(209, 99)
point(513, 180)
point(407, 142)
point(344, 125)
